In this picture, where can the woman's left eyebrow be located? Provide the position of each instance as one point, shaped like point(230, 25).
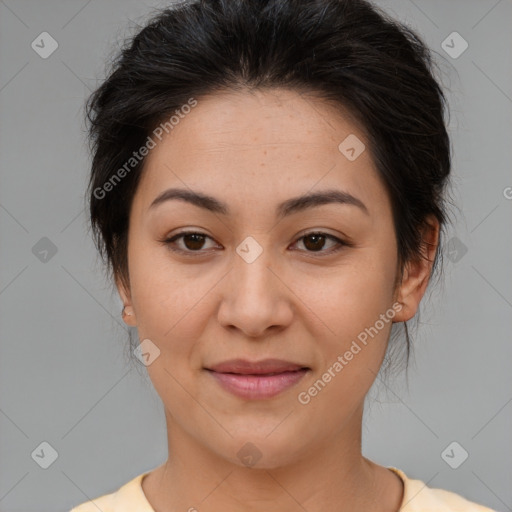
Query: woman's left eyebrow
point(288, 207)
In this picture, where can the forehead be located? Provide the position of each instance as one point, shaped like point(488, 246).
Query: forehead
point(233, 120)
point(255, 144)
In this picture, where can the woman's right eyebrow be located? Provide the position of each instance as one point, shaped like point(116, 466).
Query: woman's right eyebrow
point(288, 207)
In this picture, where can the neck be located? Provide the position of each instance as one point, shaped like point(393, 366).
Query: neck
point(333, 475)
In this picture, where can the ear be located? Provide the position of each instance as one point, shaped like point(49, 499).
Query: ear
point(125, 294)
point(417, 273)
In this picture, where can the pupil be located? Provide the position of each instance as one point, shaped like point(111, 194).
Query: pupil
point(197, 239)
point(315, 245)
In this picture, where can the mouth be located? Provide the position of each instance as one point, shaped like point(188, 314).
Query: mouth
point(257, 380)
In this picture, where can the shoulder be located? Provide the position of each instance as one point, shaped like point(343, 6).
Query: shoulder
point(128, 497)
point(418, 497)
point(103, 503)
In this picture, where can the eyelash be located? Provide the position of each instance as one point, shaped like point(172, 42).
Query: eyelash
point(169, 241)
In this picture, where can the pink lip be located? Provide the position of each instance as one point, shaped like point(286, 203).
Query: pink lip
point(257, 380)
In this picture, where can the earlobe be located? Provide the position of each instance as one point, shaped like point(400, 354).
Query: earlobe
point(417, 273)
point(127, 312)
point(129, 316)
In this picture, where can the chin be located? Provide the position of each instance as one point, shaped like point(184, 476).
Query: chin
point(263, 451)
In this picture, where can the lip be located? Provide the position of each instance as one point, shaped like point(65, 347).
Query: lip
point(265, 366)
point(259, 379)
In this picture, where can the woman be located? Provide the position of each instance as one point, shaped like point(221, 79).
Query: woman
point(268, 190)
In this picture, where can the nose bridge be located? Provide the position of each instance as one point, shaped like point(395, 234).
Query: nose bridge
point(251, 270)
point(254, 299)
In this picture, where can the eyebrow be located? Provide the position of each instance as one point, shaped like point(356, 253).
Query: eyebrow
point(288, 207)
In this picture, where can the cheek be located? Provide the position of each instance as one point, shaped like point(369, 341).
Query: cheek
point(356, 312)
point(165, 294)
point(353, 295)
point(355, 307)
point(173, 304)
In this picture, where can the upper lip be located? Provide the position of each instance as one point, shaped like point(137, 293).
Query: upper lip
point(265, 366)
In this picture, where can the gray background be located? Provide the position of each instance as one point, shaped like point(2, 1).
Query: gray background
point(64, 375)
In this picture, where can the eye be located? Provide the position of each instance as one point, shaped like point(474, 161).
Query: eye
point(192, 241)
point(315, 242)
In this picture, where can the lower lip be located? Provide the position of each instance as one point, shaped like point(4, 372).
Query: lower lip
point(258, 386)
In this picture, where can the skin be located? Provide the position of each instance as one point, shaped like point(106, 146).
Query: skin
point(253, 150)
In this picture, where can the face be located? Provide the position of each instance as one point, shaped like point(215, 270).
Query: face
point(264, 273)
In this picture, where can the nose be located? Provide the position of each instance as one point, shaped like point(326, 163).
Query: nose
point(255, 298)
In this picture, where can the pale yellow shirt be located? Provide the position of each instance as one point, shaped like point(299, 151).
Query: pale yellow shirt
point(417, 498)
